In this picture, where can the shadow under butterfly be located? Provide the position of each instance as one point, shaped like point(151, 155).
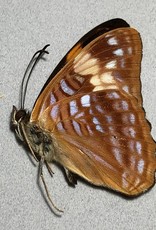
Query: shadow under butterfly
point(89, 116)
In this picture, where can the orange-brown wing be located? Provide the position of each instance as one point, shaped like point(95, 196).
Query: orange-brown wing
point(105, 138)
point(93, 108)
point(85, 40)
point(111, 60)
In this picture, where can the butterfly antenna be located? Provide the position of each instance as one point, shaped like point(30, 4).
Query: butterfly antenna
point(45, 186)
point(25, 79)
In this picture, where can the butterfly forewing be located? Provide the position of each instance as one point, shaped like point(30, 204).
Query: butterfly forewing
point(85, 40)
point(93, 109)
point(110, 61)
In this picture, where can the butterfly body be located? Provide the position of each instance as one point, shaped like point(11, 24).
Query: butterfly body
point(89, 116)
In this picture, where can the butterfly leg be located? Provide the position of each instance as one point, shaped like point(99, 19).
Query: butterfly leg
point(49, 168)
point(71, 177)
point(41, 162)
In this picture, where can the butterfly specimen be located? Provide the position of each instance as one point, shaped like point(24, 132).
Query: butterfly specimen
point(89, 116)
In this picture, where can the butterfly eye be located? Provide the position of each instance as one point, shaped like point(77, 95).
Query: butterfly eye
point(20, 115)
point(17, 116)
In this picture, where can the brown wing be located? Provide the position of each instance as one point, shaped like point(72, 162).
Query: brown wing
point(104, 138)
point(111, 60)
point(85, 40)
point(93, 108)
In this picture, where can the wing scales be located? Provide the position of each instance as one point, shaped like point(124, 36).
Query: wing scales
point(94, 75)
point(117, 143)
point(93, 109)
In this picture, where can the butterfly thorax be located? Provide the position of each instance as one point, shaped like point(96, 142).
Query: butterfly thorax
point(38, 140)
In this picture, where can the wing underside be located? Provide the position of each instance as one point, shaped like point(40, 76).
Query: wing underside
point(93, 109)
point(106, 139)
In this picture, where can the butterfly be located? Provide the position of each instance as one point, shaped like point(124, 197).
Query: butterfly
point(89, 115)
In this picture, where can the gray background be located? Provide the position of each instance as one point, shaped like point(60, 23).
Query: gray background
point(25, 27)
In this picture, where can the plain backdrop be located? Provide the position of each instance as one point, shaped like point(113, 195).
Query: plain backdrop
point(25, 27)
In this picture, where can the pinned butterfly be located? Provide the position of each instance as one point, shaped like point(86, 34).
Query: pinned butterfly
point(89, 116)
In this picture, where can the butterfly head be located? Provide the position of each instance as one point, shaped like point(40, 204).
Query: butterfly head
point(38, 141)
point(19, 117)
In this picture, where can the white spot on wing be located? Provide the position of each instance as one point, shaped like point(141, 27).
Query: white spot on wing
point(52, 98)
point(54, 112)
point(77, 127)
point(66, 88)
point(99, 128)
point(104, 81)
point(124, 105)
point(107, 78)
point(91, 111)
point(125, 88)
point(113, 95)
point(95, 121)
point(118, 52)
point(132, 132)
point(112, 41)
point(138, 147)
point(73, 108)
point(117, 155)
point(111, 65)
point(85, 101)
point(132, 118)
point(79, 115)
point(60, 127)
point(95, 80)
point(120, 105)
point(140, 166)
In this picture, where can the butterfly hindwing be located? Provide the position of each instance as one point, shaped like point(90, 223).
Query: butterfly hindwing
point(103, 134)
